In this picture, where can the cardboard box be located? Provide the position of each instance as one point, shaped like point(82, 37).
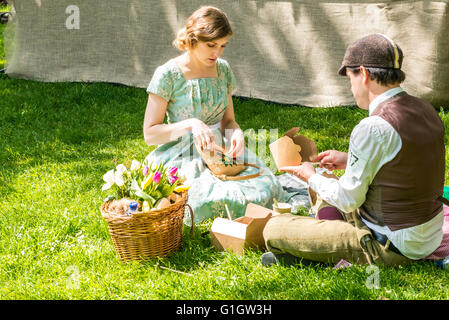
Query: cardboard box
point(242, 233)
point(292, 149)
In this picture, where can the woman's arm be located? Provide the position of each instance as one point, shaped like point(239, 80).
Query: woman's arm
point(231, 130)
point(228, 120)
point(156, 132)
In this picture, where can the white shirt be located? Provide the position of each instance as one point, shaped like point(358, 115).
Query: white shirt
point(373, 143)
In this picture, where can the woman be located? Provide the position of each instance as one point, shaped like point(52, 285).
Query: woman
point(195, 91)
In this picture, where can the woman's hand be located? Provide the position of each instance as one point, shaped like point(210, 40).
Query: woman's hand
point(202, 134)
point(237, 144)
point(332, 159)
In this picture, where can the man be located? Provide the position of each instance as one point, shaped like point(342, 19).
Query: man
point(386, 207)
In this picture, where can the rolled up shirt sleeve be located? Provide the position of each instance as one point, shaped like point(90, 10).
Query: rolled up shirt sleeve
point(373, 143)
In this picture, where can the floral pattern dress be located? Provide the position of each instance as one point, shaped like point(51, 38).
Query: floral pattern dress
point(207, 100)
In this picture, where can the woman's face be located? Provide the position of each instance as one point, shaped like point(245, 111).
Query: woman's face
point(207, 52)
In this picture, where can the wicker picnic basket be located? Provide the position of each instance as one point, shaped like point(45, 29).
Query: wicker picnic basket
point(147, 235)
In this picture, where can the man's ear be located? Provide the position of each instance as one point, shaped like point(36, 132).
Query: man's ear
point(365, 75)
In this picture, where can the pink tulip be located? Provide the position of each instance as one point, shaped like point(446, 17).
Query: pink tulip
point(172, 171)
point(145, 171)
point(172, 179)
point(157, 177)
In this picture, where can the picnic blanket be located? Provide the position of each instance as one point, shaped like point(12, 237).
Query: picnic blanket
point(281, 51)
point(296, 189)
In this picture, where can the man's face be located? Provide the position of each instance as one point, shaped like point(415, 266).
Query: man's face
point(359, 88)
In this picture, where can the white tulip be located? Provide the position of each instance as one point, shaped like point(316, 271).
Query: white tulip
point(109, 178)
point(121, 168)
point(120, 171)
point(135, 165)
point(119, 180)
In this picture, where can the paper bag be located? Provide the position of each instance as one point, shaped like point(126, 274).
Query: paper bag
point(292, 149)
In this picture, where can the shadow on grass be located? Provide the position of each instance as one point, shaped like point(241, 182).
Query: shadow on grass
point(196, 251)
point(69, 113)
point(66, 123)
point(63, 123)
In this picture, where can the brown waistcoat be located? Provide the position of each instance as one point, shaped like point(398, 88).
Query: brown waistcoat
point(405, 191)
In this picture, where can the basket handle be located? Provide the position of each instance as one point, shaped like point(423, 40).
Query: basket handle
point(191, 216)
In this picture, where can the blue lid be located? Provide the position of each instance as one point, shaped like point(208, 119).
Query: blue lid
point(133, 206)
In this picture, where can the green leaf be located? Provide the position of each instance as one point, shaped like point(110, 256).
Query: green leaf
point(166, 190)
point(139, 193)
point(156, 194)
point(110, 197)
point(172, 188)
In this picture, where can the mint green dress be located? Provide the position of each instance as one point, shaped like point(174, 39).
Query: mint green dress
point(207, 100)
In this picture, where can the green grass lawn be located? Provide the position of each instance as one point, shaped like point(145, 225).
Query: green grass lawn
point(56, 142)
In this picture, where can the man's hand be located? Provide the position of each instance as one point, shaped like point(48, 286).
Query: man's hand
point(332, 159)
point(303, 172)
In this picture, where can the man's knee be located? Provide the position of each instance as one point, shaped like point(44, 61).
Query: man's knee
point(274, 230)
point(271, 229)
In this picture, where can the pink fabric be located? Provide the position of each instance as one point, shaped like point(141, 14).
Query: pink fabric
point(443, 250)
point(329, 213)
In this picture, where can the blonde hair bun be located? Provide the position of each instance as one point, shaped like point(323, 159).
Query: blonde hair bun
point(205, 24)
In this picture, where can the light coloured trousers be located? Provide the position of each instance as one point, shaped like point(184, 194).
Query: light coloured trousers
point(328, 240)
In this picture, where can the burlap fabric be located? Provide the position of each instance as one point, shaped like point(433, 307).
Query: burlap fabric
point(283, 51)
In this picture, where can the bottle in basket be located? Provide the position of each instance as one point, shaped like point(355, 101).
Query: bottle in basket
point(132, 208)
